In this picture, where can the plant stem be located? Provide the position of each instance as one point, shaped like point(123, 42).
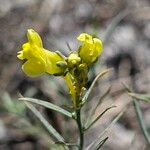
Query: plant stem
point(80, 128)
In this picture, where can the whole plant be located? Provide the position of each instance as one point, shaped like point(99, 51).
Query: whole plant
point(73, 69)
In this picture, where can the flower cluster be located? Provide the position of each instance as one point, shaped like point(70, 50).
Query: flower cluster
point(73, 68)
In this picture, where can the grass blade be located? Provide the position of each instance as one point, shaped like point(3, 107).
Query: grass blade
point(48, 105)
point(140, 120)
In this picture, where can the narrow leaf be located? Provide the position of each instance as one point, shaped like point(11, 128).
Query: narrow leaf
point(101, 143)
point(126, 87)
point(114, 24)
point(139, 115)
point(50, 129)
point(143, 97)
point(119, 115)
point(102, 97)
point(100, 75)
point(48, 105)
point(68, 144)
point(97, 105)
point(98, 117)
point(141, 121)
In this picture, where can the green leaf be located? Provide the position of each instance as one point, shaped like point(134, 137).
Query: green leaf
point(68, 144)
point(141, 121)
point(97, 105)
point(100, 75)
point(126, 87)
point(102, 98)
point(114, 24)
point(98, 117)
point(48, 105)
point(116, 20)
point(138, 113)
point(51, 130)
point(101, 143)
point(95, 142)
point(143, 97)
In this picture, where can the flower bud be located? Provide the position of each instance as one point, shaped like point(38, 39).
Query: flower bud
point(73, 59)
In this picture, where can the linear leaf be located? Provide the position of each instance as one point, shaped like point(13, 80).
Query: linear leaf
point(48, 105)
point(139, 115)
point(126, 87)
point(101, 74)
point(102, 97)
point(113, 25)
point(118, 116)
point(101, 143)
point(143, 97)
point(50, 129)
point(98, 117)
point(141, 121)
point(97, 105)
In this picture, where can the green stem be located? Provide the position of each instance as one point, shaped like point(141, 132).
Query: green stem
point(80, 128)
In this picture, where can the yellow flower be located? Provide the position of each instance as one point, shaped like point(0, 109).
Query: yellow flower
point(38, 59)
point(91, 48)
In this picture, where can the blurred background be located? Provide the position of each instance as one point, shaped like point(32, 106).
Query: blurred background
point(123, 26)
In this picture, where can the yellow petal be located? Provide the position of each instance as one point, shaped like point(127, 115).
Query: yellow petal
point(20, 55)
point(34, 38)
point(98, 45)
point(26, 48)
point(52, 58)
point(34, 67)
point(84, 37)
point(91, 48)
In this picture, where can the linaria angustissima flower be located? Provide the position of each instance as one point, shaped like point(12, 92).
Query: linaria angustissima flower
point(38, 59)
point(90, 49)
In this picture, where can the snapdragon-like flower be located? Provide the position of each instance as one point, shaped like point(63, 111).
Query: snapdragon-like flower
point(91, 48)
point(38, 59)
